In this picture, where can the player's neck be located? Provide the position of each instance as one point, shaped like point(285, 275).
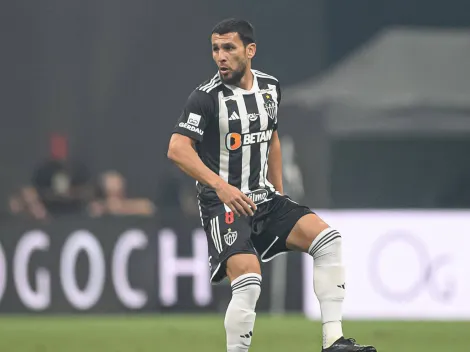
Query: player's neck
point(247, 80)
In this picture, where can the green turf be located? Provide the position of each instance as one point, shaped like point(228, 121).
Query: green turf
point(206, 334)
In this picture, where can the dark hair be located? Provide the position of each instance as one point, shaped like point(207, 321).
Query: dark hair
point(231, 25)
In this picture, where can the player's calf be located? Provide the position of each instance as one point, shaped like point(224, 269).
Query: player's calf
point(244, 273)
point(329, 283)
point(324, 244)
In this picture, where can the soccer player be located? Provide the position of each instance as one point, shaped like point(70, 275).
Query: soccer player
point(227, 140)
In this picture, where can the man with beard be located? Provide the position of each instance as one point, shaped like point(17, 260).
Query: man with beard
point(227, 140)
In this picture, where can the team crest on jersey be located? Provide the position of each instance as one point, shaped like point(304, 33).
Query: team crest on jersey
point(270, 105)
point(230, 237)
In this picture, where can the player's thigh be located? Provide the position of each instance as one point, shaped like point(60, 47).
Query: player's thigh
point(304, 232)
point(231, 251)
point(242, 263)
point(273, 224)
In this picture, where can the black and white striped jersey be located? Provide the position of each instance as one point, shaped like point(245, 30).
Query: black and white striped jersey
point(233, 128)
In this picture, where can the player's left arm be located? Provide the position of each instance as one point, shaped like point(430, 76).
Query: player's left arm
point(275, 163)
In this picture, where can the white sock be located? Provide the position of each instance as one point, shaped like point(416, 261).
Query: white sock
point(329, 284)
point(240, 316)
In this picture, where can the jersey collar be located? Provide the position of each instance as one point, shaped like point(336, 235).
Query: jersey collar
point(239, 90)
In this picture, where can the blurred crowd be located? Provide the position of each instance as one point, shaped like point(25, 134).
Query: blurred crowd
point(60, 186)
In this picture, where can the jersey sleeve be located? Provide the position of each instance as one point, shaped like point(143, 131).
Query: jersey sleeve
point(198, 111)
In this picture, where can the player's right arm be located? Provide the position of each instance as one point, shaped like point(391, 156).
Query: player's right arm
point(191, 126)
point(181, 152)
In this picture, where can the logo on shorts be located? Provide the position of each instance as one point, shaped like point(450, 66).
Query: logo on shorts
point(258, 196)
point(230, 237)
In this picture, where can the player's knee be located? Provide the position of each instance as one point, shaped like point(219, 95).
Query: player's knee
point(248, 282)
point(242, 264)
point(306, 230)
point(244, 273)
point(328, 243)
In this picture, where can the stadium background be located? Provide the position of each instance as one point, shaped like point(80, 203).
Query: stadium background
point(375, 138)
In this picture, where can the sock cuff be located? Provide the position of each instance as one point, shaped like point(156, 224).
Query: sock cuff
point(246, 280)
point(323, 239)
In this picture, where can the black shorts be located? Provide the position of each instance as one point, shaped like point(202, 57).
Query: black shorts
point(264, 234)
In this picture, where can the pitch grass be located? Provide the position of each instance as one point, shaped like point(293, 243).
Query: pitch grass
point(205, 333)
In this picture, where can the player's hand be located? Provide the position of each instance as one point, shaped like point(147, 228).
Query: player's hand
point(235, 199)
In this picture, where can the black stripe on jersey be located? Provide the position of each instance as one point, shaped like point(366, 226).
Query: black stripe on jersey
point(262, 83)
point(255, 126)
point(226, 91)
point(209, 150)
point(235, 157)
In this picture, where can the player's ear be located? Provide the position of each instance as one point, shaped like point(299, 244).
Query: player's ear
point(251, 50)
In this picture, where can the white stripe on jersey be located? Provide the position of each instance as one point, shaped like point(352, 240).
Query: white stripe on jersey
point(275, 98)
point(246, 149)
point(214, 82)
point(217, 229)
point(216, 234)
point(215, 85)
point(223, 130)
point(264, 75)
point(263, 119)
point(200, 209)
point(274, 92)
point(209, 83)
point(265, 174)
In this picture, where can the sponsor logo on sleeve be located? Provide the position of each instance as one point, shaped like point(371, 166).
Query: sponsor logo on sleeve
point(194, 119)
